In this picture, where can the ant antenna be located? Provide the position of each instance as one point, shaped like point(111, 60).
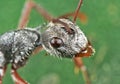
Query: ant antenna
point(77, 10)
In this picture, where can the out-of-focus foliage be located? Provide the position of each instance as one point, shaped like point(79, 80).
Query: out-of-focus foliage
point(102, 28)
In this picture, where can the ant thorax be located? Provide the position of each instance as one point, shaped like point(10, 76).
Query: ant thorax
point(59, 42)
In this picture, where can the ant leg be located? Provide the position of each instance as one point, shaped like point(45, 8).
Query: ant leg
point(16, 78)
point(37, 50)
point(43, 12)
point(80, 66)
point(29, 4)
point(25, 14)
point(2, 72)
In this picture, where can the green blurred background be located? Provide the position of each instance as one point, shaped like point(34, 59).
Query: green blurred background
point(102, 29)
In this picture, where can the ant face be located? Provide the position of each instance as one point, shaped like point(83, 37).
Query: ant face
point(59, 42)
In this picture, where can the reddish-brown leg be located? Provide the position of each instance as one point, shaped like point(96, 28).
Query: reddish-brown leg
point(16, 78)
point(79, 65)
point(37, 50)
point(26, 12)
point(2, 72)
point(43, 12)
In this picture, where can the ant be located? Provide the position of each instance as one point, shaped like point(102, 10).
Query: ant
point(62, 38)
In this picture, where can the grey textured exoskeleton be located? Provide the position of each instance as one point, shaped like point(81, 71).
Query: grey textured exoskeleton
point(16, 46)
point(57, 41)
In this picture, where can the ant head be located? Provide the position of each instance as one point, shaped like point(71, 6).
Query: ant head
point(57, 40)
point(64, 38)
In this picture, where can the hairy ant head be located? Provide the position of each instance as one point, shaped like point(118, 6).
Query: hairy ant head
point(65, 39)
point(57, 41)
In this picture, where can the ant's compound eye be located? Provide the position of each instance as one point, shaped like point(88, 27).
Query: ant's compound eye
point(56, 42)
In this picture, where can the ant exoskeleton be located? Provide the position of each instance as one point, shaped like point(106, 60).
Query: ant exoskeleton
point(62, 38)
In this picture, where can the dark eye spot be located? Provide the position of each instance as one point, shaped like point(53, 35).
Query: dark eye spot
point(56, 42)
